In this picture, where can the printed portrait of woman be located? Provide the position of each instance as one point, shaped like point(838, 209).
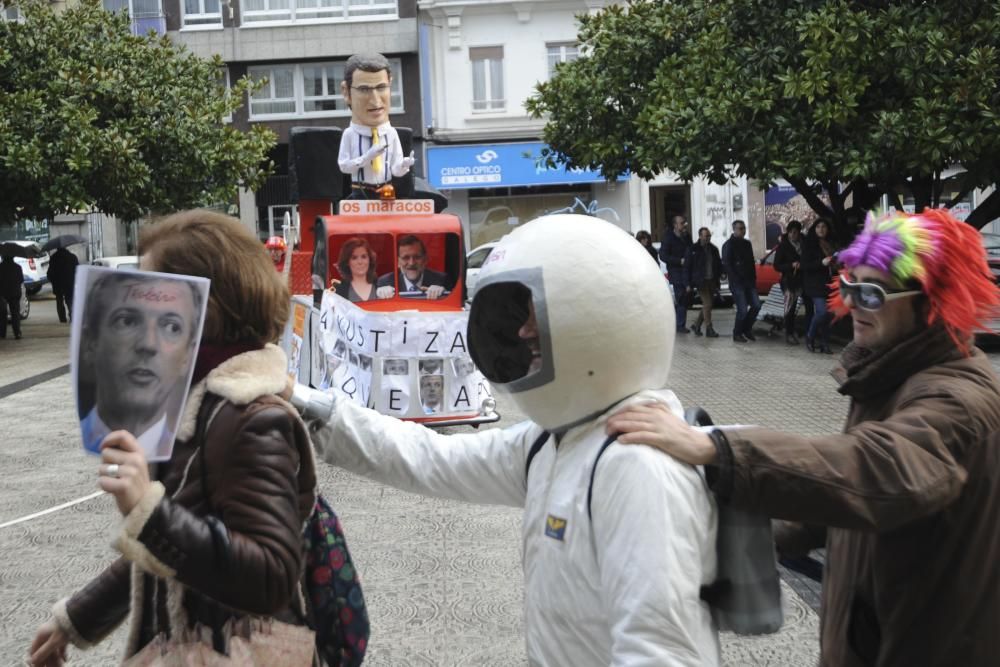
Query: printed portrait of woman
point(357, 271)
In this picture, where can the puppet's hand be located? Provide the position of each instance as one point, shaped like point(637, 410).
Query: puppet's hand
point(385, 292)
point(408, 161)
point(374, 152)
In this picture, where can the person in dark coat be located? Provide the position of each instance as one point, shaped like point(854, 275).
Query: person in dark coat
point(741, 267)
point(818, 267)
point(11, 284)
point(674, 252)
point(788, 262)
point(907, 498)
point(61, 273)
point(704, 269)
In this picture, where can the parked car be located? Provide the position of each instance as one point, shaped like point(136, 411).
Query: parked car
point(473, 262)
point(118, 262)
point(35, 270)
point(767, 275)
point(991, 243)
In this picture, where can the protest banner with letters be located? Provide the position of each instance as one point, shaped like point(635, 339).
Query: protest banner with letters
point(418, 362)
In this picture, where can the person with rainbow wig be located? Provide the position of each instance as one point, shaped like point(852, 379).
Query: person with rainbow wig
point(907, 498)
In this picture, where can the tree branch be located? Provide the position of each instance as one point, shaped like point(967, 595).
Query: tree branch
point(804, 189)
point(986, 211)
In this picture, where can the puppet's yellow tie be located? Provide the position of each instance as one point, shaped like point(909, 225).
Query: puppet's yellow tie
point(377, 162)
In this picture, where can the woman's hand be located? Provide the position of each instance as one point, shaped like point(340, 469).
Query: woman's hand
point(655, 425)
point(49, 646)
point(827, 260)
point(123, 472)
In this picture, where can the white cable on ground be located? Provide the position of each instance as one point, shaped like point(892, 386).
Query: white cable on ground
point(52, 509)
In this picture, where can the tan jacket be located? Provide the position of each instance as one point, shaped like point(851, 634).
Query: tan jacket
point(911, 495)
point(248, 555)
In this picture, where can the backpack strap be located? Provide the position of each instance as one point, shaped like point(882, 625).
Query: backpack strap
point(536, 446)
point(593, 470)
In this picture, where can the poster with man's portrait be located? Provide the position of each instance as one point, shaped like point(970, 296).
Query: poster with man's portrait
point(132, 353)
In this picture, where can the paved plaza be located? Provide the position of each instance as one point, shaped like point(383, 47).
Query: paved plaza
point(442, 579)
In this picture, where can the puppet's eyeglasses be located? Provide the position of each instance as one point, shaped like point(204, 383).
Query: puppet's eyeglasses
point(870, 296)
point(381, 89)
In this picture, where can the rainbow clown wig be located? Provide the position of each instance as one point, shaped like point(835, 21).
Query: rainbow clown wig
point(934, 251)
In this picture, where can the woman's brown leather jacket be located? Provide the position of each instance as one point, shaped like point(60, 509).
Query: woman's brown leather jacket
point(222, 540)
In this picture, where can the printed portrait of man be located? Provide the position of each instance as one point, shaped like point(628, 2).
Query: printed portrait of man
point(430, 366)
point(431, 393)
point(395, 367)
point(463, 366)
point(136, 351)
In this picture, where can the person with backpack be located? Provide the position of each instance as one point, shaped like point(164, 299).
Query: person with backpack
point(907, 498)
point(618, 542)
point(214, 535)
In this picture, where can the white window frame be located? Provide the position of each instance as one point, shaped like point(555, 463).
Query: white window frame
point(201, 20)
point(11, 13)
point(483, 57)
point(135, 17)
point(300, 98)
point(562, 52)
point(319, 11)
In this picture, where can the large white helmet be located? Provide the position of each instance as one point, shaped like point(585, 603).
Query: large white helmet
point(604, 313)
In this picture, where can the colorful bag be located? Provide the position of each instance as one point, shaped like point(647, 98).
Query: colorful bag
point(338, 606)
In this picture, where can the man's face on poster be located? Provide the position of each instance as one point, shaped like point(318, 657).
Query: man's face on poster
point(431, 390)
point(143, 347)
point(412, 260)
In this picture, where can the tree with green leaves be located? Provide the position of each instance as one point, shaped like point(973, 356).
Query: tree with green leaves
point(858, 98)
point(94, 118)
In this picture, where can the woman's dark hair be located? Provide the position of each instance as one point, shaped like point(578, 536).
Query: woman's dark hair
point(794, 224)
point(248, 302)
point(643, 235)
point(344, 261)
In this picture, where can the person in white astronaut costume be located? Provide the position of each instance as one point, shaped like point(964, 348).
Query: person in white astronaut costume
point(620, 587)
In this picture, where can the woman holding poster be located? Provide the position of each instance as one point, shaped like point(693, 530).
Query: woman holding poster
point(228, 507)
point(357, 268)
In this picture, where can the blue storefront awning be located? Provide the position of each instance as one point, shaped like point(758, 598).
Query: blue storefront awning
point(499, 166)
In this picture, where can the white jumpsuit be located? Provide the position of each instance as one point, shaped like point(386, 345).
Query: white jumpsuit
point(621, 588)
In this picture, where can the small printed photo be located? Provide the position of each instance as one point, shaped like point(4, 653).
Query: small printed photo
point(365, 362)
point(463, 366)
point(431, 366)
point(340, 349)
point(432, 393)
point(133, 353)
point(354, 358)
point(395, 367)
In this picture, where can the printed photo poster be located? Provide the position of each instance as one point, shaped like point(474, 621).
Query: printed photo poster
point(296, 335)
point(317, 359)
point(395, 387)
point(133, 346)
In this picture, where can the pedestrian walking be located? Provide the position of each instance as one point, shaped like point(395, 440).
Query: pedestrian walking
point(11, 286)
point(61, 273)
point(615, 553)
point(818, 268)
point(741, 267)
point(674, 249)
point(907, 498)
point(215, 537)
point(704, 269)
point(788, 262)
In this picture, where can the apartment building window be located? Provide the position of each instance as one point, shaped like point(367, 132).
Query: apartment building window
point(147, 15)
point(10, 13)
point(565, 52)
point(487, 78)
point(283, 11)
point(202, 14)
point(310, 89)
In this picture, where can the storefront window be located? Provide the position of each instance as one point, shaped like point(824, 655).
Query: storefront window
point(493, 214)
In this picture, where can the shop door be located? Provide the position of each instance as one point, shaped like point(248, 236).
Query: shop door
point(665, 202)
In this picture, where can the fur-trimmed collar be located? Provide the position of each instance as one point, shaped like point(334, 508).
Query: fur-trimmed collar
point(239, 380)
